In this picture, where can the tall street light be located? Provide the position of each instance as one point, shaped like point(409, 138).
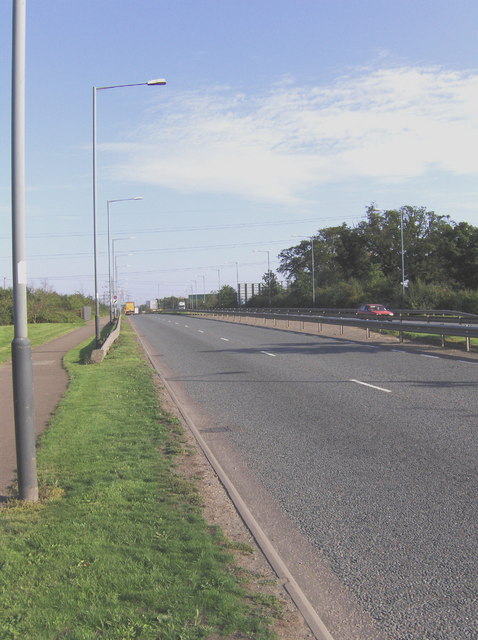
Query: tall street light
point(114, 287)
point(22, 366)
point(218, 283)
point(203, 288)
point(402, 248)
point(403, 254)
point(95, 242)
point(108, 202)
point(268, 271)
point(116, 265)
point(237, 281)
point(311, 240)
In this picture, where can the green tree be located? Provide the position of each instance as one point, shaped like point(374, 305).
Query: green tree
point(422, 231)
point(458, 250)
point(227, 297)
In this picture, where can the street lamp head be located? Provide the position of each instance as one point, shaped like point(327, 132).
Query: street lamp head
point(161, 81)
point(137, 198)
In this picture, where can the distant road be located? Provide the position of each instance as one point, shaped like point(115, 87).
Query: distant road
point(369, 451)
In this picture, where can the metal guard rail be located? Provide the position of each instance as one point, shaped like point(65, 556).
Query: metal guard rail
point(457, 329)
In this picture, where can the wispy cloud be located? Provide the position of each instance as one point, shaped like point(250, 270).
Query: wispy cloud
point(389, 124)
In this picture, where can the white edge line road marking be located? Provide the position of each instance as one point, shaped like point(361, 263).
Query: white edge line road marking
point(425, 355)
point(365, 384)
point(200, 331)
point(272, 355)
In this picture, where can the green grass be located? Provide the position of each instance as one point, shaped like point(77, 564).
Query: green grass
point(118, 547)
point(37, 334)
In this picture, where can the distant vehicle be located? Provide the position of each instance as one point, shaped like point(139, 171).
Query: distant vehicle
point(375, 310)
point(181, 305)
point(129, 308)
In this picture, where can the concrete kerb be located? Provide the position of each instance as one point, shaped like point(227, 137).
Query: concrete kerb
point(98, 355)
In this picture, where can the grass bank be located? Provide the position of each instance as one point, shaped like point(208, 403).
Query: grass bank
point(37, 334)
point(118, 547)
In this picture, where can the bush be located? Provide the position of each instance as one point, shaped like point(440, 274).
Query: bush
point(45, 305)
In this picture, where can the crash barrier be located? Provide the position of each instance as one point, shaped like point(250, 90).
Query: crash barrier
point(98, 355)
point(457, 324)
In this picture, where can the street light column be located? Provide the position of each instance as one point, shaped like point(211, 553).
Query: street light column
point(403, 253)
point(95, 89)
point(22, 365)
point(313, 270)
point(108, 202)
point(268, 271)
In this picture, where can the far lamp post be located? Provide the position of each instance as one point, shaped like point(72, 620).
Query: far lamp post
point(218, 283)
point(402, 249)
point(95, 249)
point(114, 292)
point(237, 281)
point(108, 202)
point(311, 240)
point(203, 289)
point(116, 265)
point(268, 271)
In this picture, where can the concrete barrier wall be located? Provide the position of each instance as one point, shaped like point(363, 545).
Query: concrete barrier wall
point(98, 355)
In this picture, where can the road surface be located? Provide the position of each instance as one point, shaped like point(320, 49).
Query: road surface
point(359, 461)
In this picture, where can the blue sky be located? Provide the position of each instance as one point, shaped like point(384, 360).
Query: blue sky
point(279, 118)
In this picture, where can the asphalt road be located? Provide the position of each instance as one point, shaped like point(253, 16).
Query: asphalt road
point(370, 452)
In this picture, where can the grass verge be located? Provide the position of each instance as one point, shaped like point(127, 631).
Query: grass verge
point(118, 547)
point(37, 334)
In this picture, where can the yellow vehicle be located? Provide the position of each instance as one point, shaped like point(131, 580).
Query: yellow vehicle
point(129, 308)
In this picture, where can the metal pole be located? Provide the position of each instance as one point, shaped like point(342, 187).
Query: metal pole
point(403, 254)
point(22, 368)
point(95, 241)
point(237, 283)
point(109, 261)
point(108, 202)
point(313, 271)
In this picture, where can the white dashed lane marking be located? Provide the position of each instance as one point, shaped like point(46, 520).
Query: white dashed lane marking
point(372, 386)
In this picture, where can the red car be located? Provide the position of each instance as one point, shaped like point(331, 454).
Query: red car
point(375, 309)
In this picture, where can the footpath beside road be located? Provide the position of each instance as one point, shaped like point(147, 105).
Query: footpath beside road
point(50, 382)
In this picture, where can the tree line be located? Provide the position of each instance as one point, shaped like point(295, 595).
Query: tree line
point(408, 257)
point(45, 305)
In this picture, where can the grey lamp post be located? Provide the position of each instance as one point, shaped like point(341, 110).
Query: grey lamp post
point(311, 240)
point(218, 282)
point(203, 290)
point(95, 242)
point(108, 202)
point(116, 265)
point(268, 271)
point(22, 366)
point(402, 249)
point(403, 254)
point(237, 281)
point(114, 284)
